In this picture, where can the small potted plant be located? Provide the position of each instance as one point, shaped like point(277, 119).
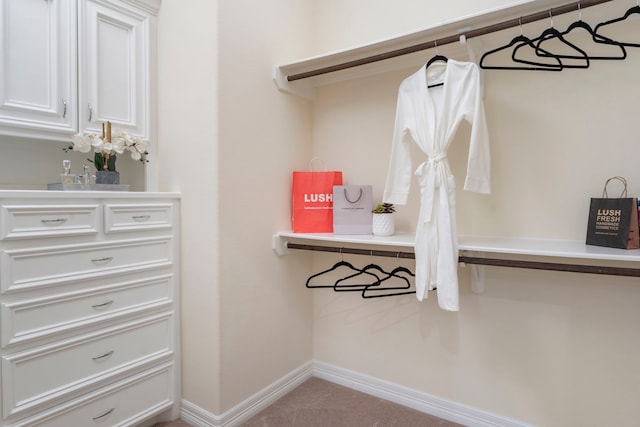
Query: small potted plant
point(383, 220)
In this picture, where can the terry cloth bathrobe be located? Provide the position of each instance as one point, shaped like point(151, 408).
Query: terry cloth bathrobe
point(430, 118)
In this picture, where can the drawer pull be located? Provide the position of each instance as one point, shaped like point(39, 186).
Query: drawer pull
point(102, 305)
point(141, 217)
point(103, 356)
point(97, 417)
point(102, 260)
point(56, 221)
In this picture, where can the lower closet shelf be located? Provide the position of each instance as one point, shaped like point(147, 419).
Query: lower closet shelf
point(473, 250)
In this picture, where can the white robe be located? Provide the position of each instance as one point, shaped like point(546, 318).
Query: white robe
point(430, 117)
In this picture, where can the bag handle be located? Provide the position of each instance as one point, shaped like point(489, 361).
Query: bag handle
point(324, 165)
point(618, 178)
point(347, 197)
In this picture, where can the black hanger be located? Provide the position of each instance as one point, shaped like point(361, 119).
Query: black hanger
point(337, 265)
point(369, 270)
point(552, 33)
point(405, 284)
point(436, 58)
point(632, 11)
point(580, 24)
point(521, 41)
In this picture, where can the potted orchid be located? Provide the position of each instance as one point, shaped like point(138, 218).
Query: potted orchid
point(106, 148)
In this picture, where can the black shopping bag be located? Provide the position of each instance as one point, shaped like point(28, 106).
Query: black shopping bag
point(613, 222)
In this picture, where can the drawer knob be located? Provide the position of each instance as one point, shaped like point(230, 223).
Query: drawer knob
point(102, 260)
point(141, 217)
point(104, 414)
point(103, 356)
point(103, 304)
point(56, 221)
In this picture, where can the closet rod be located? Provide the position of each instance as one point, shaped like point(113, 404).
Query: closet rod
point(555, 11)
point(535, 265)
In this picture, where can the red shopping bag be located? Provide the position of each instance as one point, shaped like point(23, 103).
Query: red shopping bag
point(312, 201)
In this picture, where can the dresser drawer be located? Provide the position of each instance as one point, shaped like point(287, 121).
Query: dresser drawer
point(137, 217)
point(22, 269)
point(125, 403)
point(36, 221)
point(34, 318)
point(36, 377)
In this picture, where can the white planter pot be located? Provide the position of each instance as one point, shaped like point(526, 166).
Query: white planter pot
point(383, 224)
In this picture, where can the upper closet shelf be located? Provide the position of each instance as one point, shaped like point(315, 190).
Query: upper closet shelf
point(488, 245)
point(407, 50)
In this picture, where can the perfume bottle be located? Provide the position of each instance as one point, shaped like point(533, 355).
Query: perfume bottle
point(67, 177)
point(86, 176)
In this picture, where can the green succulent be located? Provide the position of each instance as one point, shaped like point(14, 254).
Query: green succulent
point(384, 208)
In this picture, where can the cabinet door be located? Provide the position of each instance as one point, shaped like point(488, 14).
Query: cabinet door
point(38, 68)
point(114, 66)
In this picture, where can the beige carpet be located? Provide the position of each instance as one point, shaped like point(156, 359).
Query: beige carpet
point(319, 403)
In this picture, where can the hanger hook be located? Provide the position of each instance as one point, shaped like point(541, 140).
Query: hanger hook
point(551, 17)
point(435, 42)
point(520, 21)
point(580, 9)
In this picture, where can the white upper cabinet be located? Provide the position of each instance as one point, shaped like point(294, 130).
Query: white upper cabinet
point(38, 67)
point(114, 66)
point(69, 65)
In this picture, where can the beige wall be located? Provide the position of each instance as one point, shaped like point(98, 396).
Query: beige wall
point(544, 348)
point(265, 309)
point(339, 24)
point(229, 141)
point(188, 157)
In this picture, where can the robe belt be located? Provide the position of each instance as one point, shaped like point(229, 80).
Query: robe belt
point(428, 172)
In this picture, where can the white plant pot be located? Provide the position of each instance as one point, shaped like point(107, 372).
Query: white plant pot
point(383, 224)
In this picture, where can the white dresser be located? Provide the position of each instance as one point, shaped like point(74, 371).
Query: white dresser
point(89, 300)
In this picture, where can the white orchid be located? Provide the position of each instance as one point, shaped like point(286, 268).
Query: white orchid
point(95, 140)
point(105, 151)
point(80, 143)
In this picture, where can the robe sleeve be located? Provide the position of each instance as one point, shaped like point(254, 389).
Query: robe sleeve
point(398, 183)
point(478, 164)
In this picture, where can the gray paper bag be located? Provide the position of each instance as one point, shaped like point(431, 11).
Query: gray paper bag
point(352, 205)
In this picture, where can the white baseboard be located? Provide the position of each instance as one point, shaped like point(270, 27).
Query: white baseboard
point(405, 396)
point(411, 398)
point(249, 407)
point(198, 417)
